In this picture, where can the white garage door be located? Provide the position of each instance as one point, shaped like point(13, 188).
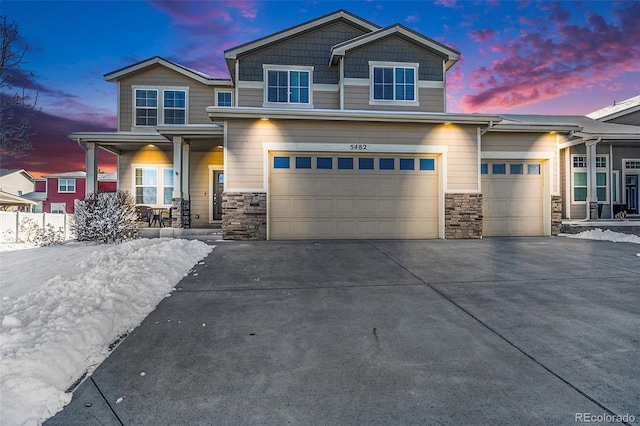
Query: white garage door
point(513, 198)
point(347, 196)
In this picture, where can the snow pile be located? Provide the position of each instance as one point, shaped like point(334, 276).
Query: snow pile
point(63, 305)
point(606, 235)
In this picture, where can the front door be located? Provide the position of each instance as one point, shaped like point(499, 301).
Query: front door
point(218, 189)
point(631, 188)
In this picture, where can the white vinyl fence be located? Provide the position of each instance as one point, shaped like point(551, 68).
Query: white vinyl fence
point(10, 224)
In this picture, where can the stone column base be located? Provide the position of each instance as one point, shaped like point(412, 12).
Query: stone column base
point(462, 216)
point(556, 214)
point(244, 216)
point(180, 213)
point(593, 210)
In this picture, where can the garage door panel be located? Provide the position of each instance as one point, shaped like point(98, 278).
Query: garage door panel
point(513, 204)
point(353, 203)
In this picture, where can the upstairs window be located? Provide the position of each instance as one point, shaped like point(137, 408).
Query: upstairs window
point(161, 105)
point(66, 185)
point(288, 86)
point(146, 107)
point(395, 83)
point(175, 107)
point(223, 99)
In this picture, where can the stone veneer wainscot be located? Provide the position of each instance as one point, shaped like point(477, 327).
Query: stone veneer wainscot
point(462, 216)
point(244, 216)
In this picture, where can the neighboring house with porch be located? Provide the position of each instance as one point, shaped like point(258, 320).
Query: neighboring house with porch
point(58, 193)
point(338, 128)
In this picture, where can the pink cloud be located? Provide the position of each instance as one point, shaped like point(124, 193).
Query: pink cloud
point(568, 58)
point(482, 36)
point(412, 18)
point(446, 3)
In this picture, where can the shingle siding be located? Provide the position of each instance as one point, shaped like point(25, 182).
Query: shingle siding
point(308, 49)
point(393, 49)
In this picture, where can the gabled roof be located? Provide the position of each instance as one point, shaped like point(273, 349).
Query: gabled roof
point(157, 60)
point(618, 109)
point(233, 53)
point(7, 172)
point(449, 55)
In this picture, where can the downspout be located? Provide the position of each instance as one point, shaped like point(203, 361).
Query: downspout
point(491, 125)
point(341, 65)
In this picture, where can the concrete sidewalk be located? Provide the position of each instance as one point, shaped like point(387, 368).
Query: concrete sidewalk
point(492, 331)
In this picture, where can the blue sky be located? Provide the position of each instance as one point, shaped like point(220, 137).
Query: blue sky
point(569, 57)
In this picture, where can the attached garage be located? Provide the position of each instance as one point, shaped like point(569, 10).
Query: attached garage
point(346, 196)
point(513, 198)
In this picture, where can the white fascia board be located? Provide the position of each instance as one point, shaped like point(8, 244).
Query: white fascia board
point(234, 52)
point(115, 76)
point(117, 137)
point(610, 136)
point(342, 48)
point(345, 147)
point(516, 155)
point(536, 128)
point(221, 113)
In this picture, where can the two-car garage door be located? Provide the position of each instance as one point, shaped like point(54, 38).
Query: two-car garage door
point(327, 195)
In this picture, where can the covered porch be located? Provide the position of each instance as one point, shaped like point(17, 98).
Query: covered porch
point(176, 168)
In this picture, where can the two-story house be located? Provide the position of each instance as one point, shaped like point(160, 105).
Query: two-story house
point(14, 184)
point(58, 192)
point(337, 128)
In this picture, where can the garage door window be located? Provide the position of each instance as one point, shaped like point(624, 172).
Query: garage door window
point(484, 169)
point(515, 169)
point(324, 163)
point(365, 163)
point(303, 162)
point(533, 169)
point(427, 164)
point(499, 169)
point(280, 162)
point(387, 164)
point(407, 164)
point(345, 163)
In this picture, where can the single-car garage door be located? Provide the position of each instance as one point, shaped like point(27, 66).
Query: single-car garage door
point(352, 196)
point(513, 198)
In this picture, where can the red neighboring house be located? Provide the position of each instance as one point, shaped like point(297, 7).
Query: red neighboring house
point(58, 193)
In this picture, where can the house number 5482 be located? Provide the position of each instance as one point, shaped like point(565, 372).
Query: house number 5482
point(358, 147)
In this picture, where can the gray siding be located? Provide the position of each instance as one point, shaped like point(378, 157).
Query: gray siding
point(357, 97)
point(393, 49)
point(310, 49)
point(200, 95)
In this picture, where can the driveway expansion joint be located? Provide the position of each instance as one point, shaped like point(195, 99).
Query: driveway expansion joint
point(497, 333)
point(107, 402)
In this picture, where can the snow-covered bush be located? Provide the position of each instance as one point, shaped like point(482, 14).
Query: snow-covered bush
point(106, 217)
point(30, 232)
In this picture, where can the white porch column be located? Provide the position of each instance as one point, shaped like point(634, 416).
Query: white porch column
point(186, 150)
point(91, 160)
point(177, 167)
point(592, 192)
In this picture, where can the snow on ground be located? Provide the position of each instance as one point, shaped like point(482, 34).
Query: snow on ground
point(63, 305)
point(606, 235)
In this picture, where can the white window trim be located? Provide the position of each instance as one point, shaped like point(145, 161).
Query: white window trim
point(61, 208)
point(270, 67)
point(75, 187)
point(585, 170)
point(615, 195)
point(160, 108)
point(230, 92)
point(159, 168)
point(381, 64)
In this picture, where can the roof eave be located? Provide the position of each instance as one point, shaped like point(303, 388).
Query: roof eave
point(240, 113)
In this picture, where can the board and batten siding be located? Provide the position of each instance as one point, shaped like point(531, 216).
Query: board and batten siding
point(199, 98)
point(358, 96)
point(245, 140)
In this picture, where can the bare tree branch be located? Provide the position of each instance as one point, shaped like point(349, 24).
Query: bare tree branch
point(17, 107)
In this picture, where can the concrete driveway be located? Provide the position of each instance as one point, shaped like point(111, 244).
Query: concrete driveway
point(493, 331)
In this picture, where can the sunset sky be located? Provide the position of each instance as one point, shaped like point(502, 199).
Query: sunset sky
point(527, 57)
